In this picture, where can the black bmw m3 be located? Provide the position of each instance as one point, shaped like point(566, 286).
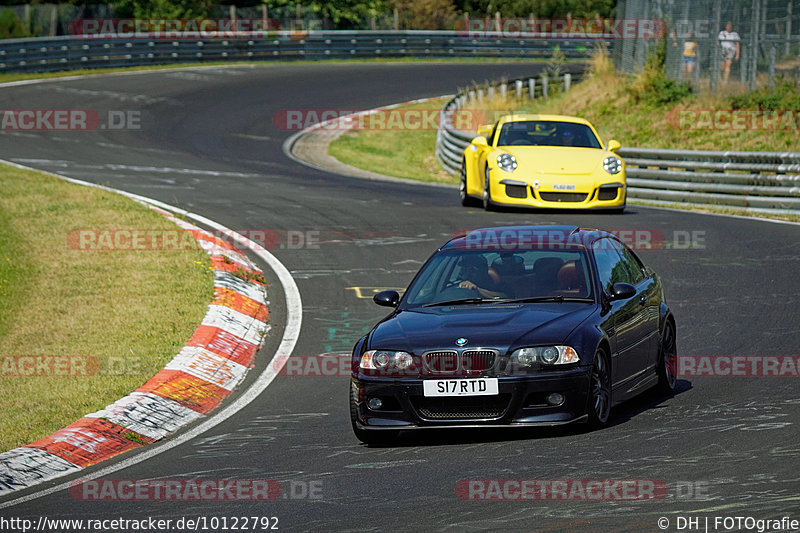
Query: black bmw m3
point(514, 326)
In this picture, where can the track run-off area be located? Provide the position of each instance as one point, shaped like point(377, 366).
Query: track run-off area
point(206, 142)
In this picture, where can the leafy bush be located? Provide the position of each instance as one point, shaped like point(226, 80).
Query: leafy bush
point(785, 95)
point(11, 27)
point(652, 86)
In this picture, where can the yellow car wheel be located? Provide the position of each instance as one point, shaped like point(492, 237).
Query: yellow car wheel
point(487, 193)
point(466, 199)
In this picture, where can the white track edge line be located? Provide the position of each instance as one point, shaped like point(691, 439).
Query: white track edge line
point(294, 318)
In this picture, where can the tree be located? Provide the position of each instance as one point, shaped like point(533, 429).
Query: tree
point(426, 14)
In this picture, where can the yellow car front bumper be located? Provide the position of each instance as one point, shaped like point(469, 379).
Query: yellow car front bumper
point(510, 192)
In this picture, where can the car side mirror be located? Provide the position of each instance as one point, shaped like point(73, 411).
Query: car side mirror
point(622, 291)
point(387, 298)
point(485, 130)
point(480, 140)
point(613, 145)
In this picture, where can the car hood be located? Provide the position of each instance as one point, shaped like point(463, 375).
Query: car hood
point(498, 326)
point(556, 160)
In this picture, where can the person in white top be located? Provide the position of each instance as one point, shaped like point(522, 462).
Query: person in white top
point(729, 41)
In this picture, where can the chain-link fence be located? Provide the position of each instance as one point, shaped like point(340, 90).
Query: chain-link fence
point(716, 41)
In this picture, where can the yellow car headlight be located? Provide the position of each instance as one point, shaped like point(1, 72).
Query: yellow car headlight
point(507, 162)
point(612, 164)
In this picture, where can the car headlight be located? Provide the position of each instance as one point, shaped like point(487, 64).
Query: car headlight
point(548, 355)
point(386, 359)
point(612, 164)
point(507, 162)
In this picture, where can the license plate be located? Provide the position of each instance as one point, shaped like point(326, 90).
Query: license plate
point(563, 187)
point(460, 387)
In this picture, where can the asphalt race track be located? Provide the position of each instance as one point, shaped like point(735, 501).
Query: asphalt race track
point(724, 446)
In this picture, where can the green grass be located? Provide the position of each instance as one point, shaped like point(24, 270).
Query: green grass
point(403, 153)
point(131, 310)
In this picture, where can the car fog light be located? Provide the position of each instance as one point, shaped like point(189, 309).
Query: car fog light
point(375, 403)
point(555, 398)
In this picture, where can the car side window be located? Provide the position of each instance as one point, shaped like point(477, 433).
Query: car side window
point(631, 262)
point(610, 266)
point(491, 137)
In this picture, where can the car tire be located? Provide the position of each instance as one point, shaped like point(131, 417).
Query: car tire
point(368, 437)
point(466, 200)
point(667, 360)
point(599, 401)
point(487, 192)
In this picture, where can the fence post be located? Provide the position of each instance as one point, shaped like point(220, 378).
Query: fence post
point(54, 20)
point(518, 88)
point(772, 67)
point(788, 27)
point(544, 86)
point(567, 81)
point(532, 87)
point(744, 65)
point(503, 90)
point(753, 55)
point(491, 92)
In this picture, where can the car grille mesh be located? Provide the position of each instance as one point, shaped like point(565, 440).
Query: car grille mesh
point(563, 196)
point(443, 362)
point(470, 362)
point(477, 361)
point(607, 194)
point(462, 407)
point(517, 191)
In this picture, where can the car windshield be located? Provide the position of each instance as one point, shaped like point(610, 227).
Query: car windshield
point(459, 276)
point(547, 133)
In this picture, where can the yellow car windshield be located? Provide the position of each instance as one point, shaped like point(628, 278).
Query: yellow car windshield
point(547, 133)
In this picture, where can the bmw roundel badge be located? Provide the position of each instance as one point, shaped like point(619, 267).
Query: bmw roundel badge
point(461, 341)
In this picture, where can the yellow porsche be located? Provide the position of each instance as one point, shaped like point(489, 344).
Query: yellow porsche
point(542, 161)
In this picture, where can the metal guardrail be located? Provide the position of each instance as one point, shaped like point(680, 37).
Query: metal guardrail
point(97, 51)
point(767, 182)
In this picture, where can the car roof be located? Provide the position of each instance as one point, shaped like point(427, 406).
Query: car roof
point(529, 237)
point(554, 118)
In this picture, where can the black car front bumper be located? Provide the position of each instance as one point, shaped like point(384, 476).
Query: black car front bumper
point(521, 401)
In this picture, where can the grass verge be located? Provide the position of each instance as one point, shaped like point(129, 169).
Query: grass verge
point(129, 311)
point(403, 152)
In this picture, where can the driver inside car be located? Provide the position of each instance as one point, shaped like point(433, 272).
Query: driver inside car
point(475, 276)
